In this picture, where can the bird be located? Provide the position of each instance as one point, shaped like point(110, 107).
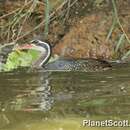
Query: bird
point(44, 60)
point(67, 64)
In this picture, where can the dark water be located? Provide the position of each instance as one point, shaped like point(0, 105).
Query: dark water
point(62, 100)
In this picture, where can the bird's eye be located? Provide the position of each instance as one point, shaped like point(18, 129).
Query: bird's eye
point(34, 41)
point(24, 50)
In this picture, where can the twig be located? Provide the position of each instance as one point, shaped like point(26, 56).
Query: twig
point(7, 44)
point(68, 10)
point(26, 17)
point(14, 11)
point(43, 22)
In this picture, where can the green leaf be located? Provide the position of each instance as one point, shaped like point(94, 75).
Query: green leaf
point(21, 59)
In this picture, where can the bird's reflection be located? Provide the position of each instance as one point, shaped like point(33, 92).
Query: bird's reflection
point(36, 98)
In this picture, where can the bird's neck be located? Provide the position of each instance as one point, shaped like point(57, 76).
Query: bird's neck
point(42, 59)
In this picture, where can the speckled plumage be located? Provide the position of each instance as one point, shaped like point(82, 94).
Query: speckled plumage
point(87, 65)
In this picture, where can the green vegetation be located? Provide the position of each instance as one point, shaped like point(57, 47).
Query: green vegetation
point(20, 59)
point(116, 21)
point(47, 18)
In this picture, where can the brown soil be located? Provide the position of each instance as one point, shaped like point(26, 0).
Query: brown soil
point(87, 38)
point(87, 33)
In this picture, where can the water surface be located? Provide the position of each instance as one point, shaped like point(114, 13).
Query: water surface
point(45, 100)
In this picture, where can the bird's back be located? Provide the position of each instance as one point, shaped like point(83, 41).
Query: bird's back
point(87, 65)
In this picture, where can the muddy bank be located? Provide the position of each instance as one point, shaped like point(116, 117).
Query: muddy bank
point(87, 38)
point(90, 34)
point(79, 29)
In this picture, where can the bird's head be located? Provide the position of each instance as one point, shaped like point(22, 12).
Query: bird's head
point(43, 47)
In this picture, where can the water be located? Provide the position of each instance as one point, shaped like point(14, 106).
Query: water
point(44, 100)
